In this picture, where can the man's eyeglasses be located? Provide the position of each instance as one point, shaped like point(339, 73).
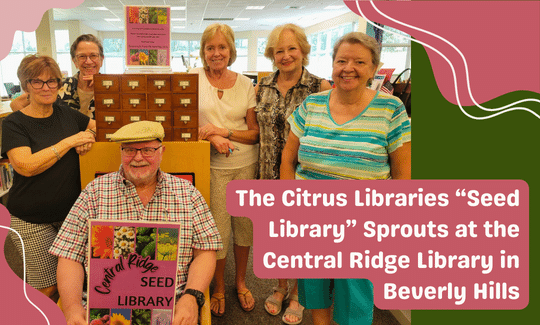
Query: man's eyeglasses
point(146, 151)
point(38, 83)
point(82, 58)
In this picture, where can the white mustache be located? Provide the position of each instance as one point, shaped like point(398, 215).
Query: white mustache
point(139, 165)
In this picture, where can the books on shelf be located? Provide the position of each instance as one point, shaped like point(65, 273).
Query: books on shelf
point(6, 176)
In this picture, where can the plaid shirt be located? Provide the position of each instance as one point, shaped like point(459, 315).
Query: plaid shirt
point(111, 196)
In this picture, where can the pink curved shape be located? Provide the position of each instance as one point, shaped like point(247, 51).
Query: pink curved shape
point(14, 306)
point(25, 15)
point(501, 49)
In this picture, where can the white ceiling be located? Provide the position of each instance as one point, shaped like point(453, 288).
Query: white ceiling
point(198, 12)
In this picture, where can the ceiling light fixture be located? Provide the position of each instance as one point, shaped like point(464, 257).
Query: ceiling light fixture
point(255, 7)
point(333, 7)
point(112, 19)
point(241, 19)
point(295, 7)
point(98, 8)
point(178, 8)
point(178, 19)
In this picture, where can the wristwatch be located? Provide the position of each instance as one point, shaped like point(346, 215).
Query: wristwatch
point(197, 294)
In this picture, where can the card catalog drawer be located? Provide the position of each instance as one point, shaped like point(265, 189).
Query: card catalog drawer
point(133, 83)
point(185, 83)
point(106, 83)
point(185, 134)
point(104, 135)
point(133, 102)
point(184, 101)
point(109, 119)
point(163, 117)
point(107, 101)
point(186, 119)
point(158, 83)
point(159, 101)
point(135, 116)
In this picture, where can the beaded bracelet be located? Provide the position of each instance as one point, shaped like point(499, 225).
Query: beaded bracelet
point(56, 152)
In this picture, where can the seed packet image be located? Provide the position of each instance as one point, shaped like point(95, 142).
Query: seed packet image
point(143, 15)
point(162, 16)
point(152, 57)
point(152, 15)
point(100, 316)
point(161, 317)
point(167, 244)
point(124, 241)
point(133, 15)
point(120, 316)
point(143, 57)
point(146, 242)
point(102, 241)
point(162, 57)
point(141, 316)
point(134, 57)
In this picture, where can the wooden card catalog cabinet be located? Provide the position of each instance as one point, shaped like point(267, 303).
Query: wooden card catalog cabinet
point(170, 99)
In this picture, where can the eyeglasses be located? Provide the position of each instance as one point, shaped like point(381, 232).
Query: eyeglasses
point(146, 151)
point(38, 83)
point(82, 58)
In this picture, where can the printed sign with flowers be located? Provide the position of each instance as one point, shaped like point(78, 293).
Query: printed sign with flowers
point(148, 36)
point(132, 272)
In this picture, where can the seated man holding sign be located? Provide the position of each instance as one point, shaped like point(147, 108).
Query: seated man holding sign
point(139, 191)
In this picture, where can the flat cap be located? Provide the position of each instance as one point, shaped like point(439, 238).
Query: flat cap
point(139, 132)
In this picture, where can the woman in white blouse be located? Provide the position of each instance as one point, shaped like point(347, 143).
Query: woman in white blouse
point(227, 119)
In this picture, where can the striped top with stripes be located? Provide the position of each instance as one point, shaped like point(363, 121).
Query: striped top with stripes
point(357, 149)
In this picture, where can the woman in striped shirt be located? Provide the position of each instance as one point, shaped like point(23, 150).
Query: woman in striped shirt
point(350, 132)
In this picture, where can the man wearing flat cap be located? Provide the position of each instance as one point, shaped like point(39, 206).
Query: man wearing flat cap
point(140, 191)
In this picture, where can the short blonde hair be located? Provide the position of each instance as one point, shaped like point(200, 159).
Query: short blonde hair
point(210, 32)
point(34, 65)
point(301, 38)
point(360, 38)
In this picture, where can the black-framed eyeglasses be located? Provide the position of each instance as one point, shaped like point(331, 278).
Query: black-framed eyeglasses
point(146, 151)
point(82, 58)
point(38, 83)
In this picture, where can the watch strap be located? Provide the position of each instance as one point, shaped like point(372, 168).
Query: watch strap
point(199, 296)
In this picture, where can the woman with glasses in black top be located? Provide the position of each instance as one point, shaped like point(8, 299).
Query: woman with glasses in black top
point(43, 142)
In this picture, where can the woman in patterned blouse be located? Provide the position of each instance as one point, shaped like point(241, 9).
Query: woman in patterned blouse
point(278, 95)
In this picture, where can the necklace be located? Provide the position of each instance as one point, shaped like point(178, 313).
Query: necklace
point(221, 83)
